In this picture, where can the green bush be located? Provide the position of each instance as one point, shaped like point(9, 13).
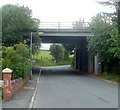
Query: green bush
point(17, 58)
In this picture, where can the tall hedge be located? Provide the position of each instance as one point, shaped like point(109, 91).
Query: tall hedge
point(17, 58)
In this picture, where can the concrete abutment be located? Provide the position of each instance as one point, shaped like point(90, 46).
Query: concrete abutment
point(85, 62)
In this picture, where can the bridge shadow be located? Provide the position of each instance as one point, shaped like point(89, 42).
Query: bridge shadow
point(64, 70)
point(36, 69)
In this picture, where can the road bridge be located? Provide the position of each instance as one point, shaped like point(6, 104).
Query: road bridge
point(64, 35)
point(85, 62)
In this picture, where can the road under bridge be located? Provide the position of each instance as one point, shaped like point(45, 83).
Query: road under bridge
point(85, 62)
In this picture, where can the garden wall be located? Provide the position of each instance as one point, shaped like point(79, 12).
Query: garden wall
point(17, 84)
point(10, 87)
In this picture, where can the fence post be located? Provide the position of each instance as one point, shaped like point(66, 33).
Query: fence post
point(7, 73)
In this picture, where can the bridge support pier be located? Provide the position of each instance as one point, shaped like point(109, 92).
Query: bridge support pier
point(97, 65)
point(82, 56)
point(90, 63)
point(85, 62)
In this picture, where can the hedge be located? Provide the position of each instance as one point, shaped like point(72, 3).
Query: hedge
point(17, 58)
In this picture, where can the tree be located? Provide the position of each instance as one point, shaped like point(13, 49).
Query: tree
point(69, 47)
point(17, 23)
point(105, 41)
point(116, 14)
point(80, 24)
point(118, 11)
point(57, 51)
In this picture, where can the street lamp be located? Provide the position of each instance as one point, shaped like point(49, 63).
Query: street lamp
point(31, 41)
point(31, 51)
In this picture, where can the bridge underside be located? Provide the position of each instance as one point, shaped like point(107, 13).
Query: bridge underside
point(63, 35)
point(62, 39)
point(84, 61)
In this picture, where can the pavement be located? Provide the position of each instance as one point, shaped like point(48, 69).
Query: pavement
point(60, 87)
point(22, 98)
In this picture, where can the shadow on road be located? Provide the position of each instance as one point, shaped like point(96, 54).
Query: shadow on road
point(36, 69)
point(56, 71)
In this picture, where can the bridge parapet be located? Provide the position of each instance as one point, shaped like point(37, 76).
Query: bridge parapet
point(61, 25)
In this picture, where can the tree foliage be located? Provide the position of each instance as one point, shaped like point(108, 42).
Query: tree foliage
point(115, 15)
point(57, 51)
point(69, 47)
point(17, 23)
point(17, 58)
point(80, 24)
point(105, 42)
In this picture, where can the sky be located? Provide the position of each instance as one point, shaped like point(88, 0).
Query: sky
point(61, 10)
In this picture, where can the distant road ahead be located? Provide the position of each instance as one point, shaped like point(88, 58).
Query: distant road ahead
point(60, 87)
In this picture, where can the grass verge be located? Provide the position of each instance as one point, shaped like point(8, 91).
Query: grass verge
point(109, 76)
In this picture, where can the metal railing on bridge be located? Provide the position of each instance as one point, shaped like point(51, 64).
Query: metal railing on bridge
point(62, 25)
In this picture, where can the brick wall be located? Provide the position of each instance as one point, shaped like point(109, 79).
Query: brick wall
point(10, 87)
point(14, 86)
point(17, 84)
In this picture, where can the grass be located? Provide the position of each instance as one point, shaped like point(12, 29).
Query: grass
point(43, 54)
point(43, 58)
point(110, 76)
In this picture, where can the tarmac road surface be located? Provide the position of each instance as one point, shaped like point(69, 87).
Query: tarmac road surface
point(60, 87)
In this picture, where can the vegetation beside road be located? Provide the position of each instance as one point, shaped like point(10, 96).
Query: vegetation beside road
point(110, 76)
point(17, 58)
point(17, 24)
